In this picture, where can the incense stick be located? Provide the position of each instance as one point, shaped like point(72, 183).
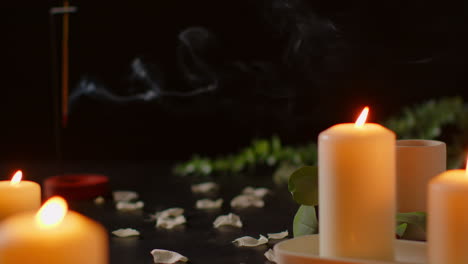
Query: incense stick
point(56, 95)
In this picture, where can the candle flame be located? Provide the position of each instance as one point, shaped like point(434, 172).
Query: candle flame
point(362, 117)
point(52, 212)
point(16, 179)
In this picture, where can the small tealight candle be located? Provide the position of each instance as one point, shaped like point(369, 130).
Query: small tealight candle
point(53, 235)
point(448, 218)
point(17, 196)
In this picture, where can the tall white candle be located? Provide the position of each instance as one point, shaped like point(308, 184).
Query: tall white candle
point(357, 178)
point(448, 218)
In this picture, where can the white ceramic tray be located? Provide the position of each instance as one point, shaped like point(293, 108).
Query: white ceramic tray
point(304, 250)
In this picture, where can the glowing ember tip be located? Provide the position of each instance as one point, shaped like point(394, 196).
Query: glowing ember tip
point(362, 117)
point(52, 212)
point(16, 179)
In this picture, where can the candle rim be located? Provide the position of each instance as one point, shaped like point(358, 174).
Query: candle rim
point(367, 127)
point(347, 131)
point(403, 143)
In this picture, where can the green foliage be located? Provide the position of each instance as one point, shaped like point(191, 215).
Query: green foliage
point(415, 225)
point(458, 147)
point(426, 120)
point(415, 218)
point(262, 152)
point(303, 185)
point(305, 221)
point(401, 229)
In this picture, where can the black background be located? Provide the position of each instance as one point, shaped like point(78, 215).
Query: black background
point(385, 54)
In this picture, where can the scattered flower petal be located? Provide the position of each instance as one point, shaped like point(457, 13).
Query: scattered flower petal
point(258, 192)
point(205, 187)
point(248, 241)
point(244, 201)
point(167, 257)
point(229, 220)
point(209, 204)
point(129, 206)
point(279, 235)
point(170, 222)
point(171, 212)
point(99, 200)
point(124, 196)
point(126, 232)
point(270, 255)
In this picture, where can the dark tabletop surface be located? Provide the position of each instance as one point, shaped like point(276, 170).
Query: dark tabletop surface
point(159, 189)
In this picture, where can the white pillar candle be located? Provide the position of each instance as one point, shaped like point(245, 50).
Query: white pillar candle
point(448, 218)
point(357, 190)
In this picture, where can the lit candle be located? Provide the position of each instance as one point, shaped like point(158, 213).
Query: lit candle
point(448, 218)
point(53, 235)
point(17, 196)
point(357, 178)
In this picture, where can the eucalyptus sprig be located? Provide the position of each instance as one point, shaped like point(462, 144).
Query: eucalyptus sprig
point(261, 152)
point(426, 120)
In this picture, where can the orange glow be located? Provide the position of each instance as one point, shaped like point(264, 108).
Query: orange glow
point(16, 179)
point(52, 212)
point(362, 118)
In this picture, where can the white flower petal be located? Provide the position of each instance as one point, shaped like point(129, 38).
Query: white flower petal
point(171, 212)
point(124, 196)
point(129, 206)
point(259, 192)
point(227, 220)
point(248, 241)
point(170, 222)
point(99, 200)
point(270, 255)
point(279, 235)
point(167, 257)
point(205, 187)
point(126, 232)
point(209, 204)
point(244, 201)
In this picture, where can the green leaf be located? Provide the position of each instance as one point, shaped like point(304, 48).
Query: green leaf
point(303, 185)
point(305, 221)
point(400, 229)
point(262, 147)
point(414, 218)
point(416, 225)
point(275, 144)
